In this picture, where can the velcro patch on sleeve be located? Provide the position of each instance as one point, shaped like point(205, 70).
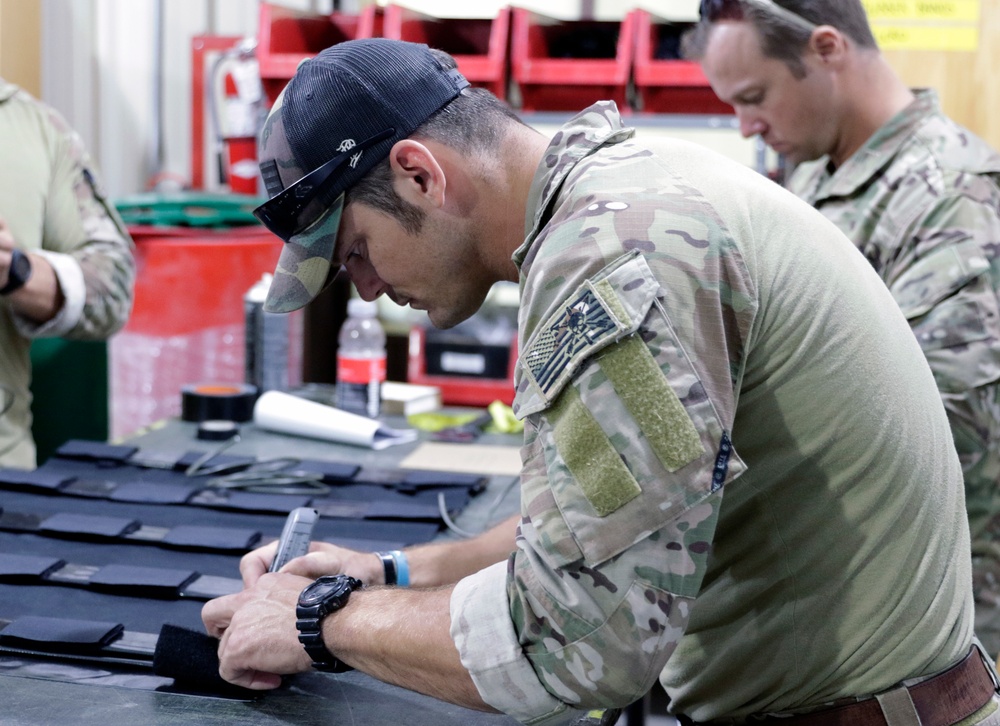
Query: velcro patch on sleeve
point(589, 455)
point(652, 402)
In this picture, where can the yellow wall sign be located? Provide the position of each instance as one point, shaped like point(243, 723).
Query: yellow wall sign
point(949, 25)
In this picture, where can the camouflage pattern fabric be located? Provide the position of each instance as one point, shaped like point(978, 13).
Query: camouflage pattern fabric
point(726, 418)
point(921, 200)
point(52, 200)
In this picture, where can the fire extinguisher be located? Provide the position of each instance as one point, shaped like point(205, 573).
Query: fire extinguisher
point(238, 111)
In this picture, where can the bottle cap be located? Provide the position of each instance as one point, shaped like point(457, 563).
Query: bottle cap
point(358, 308)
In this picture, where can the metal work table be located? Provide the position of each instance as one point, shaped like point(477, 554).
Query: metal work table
point(40, 691)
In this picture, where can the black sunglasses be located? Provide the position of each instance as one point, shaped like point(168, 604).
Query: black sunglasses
point(299, 205)
point(712, 10)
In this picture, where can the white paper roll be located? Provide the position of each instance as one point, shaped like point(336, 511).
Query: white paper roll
point(288, 414)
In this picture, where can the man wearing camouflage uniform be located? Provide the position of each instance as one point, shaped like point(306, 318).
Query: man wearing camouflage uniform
point(726, 420)
point(918, 195)
point(66, 266)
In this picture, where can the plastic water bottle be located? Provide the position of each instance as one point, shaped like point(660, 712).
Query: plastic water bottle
point(360, 360)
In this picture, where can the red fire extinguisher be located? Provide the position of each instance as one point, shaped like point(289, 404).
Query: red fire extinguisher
point(238, 110)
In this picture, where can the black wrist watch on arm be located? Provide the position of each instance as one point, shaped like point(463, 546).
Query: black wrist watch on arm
point(320, 598)
point(18, 273)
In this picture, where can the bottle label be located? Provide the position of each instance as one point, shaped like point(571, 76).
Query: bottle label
point(360, 370)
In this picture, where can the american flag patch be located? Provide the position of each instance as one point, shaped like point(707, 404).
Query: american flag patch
point(583, 324)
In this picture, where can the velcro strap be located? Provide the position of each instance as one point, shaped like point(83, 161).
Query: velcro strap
point(143, 581)
point(88, 524)
point(27, 566)
point(95, 451)
point(62, 634)
point(211, 538)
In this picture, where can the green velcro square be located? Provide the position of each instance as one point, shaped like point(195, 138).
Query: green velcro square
point(654, 405)
point(589, 455)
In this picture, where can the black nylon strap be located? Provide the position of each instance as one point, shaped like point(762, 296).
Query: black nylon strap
point(101, 471)
point(131, 580)
point(75, 526)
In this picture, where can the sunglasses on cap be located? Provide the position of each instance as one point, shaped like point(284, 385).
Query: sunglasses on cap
point(712, 10)
point(303, 203)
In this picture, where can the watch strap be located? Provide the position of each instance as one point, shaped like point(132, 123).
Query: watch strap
point(15, 277)
point(309, 622)
point(322, 658)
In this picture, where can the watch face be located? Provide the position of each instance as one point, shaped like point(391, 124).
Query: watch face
point(323, 589)
point(20, 267)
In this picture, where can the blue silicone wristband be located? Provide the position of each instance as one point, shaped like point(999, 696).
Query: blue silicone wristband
point(402, 568)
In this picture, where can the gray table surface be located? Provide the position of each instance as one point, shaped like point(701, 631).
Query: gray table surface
point(44, 692)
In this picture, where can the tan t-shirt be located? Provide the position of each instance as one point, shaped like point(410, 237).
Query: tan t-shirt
point(738, 474)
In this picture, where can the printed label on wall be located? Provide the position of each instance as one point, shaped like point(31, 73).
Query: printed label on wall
point(941, 25)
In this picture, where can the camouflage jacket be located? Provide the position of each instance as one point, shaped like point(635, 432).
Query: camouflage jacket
point(921, 200)
point(726, 417)
point(51, 199)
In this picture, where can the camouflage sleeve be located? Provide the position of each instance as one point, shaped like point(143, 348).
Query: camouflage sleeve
point(947, 285)
point(624, 462)
point(86, 242)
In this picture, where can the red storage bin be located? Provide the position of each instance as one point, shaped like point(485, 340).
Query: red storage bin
point(669, 85)
point(286, 37)
point(479, 45)
point(568, 65)
point(187, 322)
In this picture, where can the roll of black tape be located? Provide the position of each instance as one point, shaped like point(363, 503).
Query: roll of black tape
point(217, 429)
point(223, 401)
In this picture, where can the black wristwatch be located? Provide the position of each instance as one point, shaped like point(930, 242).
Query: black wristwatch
point(316, 601)
point(19, 272)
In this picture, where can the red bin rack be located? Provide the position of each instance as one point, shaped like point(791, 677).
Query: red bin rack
point(669, 85)
point(286, 37)
point(553, 74)
point(479, 45)
point(187, 319)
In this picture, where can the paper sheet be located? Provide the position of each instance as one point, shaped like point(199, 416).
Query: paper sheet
point(465, 458)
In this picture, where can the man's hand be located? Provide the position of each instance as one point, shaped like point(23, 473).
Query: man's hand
point(323, 559)
point(258, 640)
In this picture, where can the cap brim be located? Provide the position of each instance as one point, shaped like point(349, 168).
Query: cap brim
point(304, 264)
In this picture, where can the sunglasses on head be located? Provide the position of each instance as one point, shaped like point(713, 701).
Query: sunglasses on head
point(301, 204)
point(712, 10)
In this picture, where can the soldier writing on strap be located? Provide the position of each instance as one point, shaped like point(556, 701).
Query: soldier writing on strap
point(738, 476)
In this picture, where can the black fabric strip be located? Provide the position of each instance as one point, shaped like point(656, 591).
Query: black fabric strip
point(187, 656)
point(100, 471)
point(131, 580)
point(84, 527)
point(95, 451)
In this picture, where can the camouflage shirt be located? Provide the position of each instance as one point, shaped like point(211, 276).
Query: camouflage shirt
point(921, 200)
point(51, 199)
point(726, 418)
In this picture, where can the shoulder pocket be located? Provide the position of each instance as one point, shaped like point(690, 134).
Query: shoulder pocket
point(624, 438)
point(940, 274)
point(592, 318)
